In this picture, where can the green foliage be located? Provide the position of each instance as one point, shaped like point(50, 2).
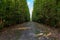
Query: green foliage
point(47, 12)
point(13, 12)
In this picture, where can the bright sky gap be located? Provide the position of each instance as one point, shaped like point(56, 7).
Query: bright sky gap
point(30, 5)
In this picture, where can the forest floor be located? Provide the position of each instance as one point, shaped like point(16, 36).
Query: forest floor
point(29, 31)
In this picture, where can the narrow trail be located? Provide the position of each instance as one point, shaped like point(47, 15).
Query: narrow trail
point(29, 31)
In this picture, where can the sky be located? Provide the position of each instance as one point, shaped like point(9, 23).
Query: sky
point(30, 5)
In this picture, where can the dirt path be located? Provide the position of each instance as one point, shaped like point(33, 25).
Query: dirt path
point(29, 31)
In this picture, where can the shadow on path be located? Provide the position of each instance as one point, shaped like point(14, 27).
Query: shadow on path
point(29, 31)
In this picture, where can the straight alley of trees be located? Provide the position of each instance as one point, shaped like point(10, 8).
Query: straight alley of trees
point(16, 11)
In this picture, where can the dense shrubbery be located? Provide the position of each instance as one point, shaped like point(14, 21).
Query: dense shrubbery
point(47, 12)
point(13, 12)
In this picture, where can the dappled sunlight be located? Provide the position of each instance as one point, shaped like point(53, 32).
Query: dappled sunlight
point(43, 34)
point(23, 28)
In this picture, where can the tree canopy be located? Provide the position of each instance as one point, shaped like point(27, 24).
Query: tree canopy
point(47, 12)
point(13, 12)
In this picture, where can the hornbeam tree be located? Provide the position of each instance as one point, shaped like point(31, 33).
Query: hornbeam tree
point(13, 12)
point(47, 12)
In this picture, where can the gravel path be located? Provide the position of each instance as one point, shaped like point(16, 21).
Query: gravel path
point(29, 31)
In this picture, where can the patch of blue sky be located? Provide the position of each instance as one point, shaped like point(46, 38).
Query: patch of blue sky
point(30, 5)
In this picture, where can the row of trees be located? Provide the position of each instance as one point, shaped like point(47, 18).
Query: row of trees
point(47, 12)
point(13, 12)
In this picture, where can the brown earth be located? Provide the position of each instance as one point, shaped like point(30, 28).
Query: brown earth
point(30, 31)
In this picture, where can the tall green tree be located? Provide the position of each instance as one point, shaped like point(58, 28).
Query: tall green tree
point(47, 12)
point(13, 12)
